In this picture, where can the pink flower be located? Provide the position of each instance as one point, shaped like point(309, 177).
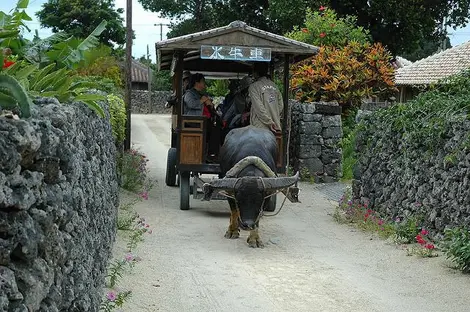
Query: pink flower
point(380, 222)
point(144, 195)
point(111, 296)
point(322, 35)
point(322, 8)
point(129, 257)
point(147, 226)
point(424, 232)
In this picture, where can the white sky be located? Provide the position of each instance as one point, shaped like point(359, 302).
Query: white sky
point(145, 31)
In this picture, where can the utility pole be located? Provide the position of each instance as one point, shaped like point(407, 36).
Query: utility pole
point(161, 29)
point(127, 141)
point(149, 79)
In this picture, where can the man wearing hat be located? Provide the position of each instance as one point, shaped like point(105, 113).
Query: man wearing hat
point(172, 99)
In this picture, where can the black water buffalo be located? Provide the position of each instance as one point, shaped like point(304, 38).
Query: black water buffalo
point(247, 160)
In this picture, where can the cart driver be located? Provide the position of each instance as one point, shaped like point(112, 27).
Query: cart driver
point(266, 100)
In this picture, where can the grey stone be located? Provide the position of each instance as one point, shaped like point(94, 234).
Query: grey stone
point(312, 139)
point(55, 240)
point(313, 165)
point(309, 151)
point(312, 117)
point(406, 180)
point(331, 121)
point(140, 102)
point(332, 132)
point(310, 128)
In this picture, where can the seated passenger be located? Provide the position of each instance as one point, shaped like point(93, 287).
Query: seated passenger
point(196, 102)
point(233, 116)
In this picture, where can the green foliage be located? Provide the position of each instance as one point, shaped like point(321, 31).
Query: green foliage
point(217, 87)
point(80, 17)
point(422, 124)
point(403, 25)
point(13, 95)
point(133, 171)
point(11, 24)
point(161, 80)
point(456, 246)
point(60, 84)
point(105, 67)
point(117, 110)
point(325, 28)
point(406, 230)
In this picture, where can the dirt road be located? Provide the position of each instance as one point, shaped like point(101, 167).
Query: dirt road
point(310, 263)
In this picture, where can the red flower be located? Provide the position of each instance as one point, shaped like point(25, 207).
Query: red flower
point(305, 30)
point(420, 239)
point(7, 63)
point(429, 246)
point(424, 232)
point(322, 8)
point(322, 35)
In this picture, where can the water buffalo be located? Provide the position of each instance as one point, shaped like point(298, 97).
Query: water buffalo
point(247, 161)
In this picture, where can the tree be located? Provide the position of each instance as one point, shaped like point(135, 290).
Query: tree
point(325, 28)
point(402, 25)
point(80, 17)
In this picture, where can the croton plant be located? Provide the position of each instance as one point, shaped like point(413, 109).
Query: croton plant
point(347, 75)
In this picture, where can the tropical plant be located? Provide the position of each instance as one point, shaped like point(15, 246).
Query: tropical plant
point(13, 95)
point(61, 84)
point(325, 28)
point(346, 75)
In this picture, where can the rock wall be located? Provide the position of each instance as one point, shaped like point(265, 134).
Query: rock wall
point(58, 208)
point(314, 144)
point(399, 181)
point(140, 102)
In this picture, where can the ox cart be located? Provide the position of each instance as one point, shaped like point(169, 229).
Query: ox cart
point(222, 53)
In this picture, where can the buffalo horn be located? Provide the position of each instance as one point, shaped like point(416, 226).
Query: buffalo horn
point(273, 184)
point(223, 184)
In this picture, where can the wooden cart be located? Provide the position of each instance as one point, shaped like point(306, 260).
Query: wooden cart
point(221, 53)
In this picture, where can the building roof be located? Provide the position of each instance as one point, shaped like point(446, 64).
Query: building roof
point(139, 72)
point(435, 67)
point(236, 34)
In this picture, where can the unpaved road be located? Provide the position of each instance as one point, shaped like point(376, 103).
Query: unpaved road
point(310, 263)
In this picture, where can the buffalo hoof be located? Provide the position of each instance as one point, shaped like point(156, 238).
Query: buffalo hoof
point(254, 242)
point(232, 234)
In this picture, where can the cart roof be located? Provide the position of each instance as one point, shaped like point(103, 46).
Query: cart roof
point(248, 41)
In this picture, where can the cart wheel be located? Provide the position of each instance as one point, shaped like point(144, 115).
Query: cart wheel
point(170, 178)
point(271, 206)
point(184, 190)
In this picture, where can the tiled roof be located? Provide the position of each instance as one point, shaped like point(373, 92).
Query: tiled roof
point(438, 66)
point(139, 72)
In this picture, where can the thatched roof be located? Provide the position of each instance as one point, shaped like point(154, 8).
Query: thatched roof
point(435, 67)
point(139, 72)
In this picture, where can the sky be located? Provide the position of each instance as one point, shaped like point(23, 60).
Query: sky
point(147, 33)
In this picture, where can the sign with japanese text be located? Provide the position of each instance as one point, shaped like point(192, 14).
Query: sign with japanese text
point(232, 53)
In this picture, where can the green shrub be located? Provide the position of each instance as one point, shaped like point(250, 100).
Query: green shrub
point(133, 171)
point(117, 110)
point(456, 246)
